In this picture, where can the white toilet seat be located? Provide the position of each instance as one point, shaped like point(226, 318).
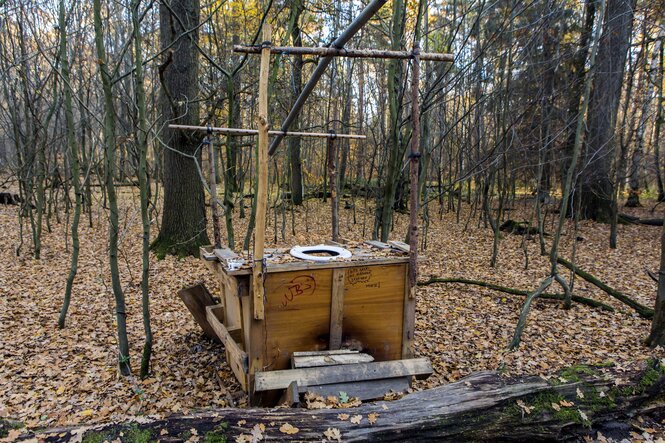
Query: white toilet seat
point(305, 252)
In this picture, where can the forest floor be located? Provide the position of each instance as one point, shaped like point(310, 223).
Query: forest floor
point(51, 377)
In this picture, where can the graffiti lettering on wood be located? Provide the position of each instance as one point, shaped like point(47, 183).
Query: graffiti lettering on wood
point(302, 285)
point(358, 275)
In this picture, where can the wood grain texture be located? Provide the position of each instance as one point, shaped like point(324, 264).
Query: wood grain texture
point(374, 309)
point(268, 381)
point(336, 309)
point(236, 357)
point(364, 390)
point(480, 407)
point(196, 298)
point(262, 179)
point(314, 361)
point(297, 314)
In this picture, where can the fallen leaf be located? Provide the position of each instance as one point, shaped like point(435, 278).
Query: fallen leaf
point(333, 434)
point(343, 416)
point(356, 419)
point(556, 406)
point(287, 428)
point(371, 418)
point(580, 394)
point(524, 407)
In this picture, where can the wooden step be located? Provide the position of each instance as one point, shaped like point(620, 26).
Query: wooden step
point(327, 375)
point(312, 361)
point(364, 390)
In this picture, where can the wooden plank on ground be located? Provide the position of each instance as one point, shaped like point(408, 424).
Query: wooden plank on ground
point(366, 390)
point(336, 309)
point(399, 245)
point(377, 244)
point(330, 360)
point(237, 358)
point(330, 352)
point(196, 298)
point(267, 381)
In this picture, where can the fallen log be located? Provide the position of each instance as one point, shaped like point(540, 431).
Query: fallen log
point(484, 406)
point(631, 219)
point(513, 291)
point(644, 311)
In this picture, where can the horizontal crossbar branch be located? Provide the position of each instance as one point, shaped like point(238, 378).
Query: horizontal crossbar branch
point(355, 53)
point(239, 131)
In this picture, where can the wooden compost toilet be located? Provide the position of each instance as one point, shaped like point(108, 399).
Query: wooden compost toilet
point(361, 303)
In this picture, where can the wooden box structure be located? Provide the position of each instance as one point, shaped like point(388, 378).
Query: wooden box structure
point(272, 314)
point(360, 303)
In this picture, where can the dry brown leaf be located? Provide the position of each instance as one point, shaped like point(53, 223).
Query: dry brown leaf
point(356, 419)
point(287, 428)
point(333, 434)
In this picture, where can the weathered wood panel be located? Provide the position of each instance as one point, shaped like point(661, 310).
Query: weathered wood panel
point(337, 309)
point(268, 381)
point(365, 390)
point(313, 361)
point(235, 356)
point(196, 298)
point(481, 407)
point(297, 314)
point(374, 309)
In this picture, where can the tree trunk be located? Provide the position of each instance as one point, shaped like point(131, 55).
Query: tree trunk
point(296, 88)
point(144, 185)
point(183, 227)
point(395, 141)
point(109, 160)
point(657, 335)
point(74, 162)
point(597, 185)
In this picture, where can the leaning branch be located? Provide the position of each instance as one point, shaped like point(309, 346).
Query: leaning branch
point(644, 311)
point(514, 291)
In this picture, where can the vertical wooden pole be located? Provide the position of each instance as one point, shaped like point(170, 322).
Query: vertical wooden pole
point(262, 177)
point(214, 203)
point(332, 174)
point(414, 158)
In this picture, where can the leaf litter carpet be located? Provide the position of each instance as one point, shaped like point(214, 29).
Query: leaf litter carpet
point(51, 377)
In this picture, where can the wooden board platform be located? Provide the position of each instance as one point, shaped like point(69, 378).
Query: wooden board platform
point(272, 380)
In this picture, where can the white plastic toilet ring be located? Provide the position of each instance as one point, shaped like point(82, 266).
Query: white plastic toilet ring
point(305, 252)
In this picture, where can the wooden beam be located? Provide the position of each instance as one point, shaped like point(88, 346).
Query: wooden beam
point(236, 357)
point(315, 361)
point(258, 289)
point(414, 170)
point(332, 176)
point(353, 53)
point(214, 201)
point(336, 309)
point(241, 132)
point(365, 390)
point(365, 15)
point(197, 298)
point(267, 381)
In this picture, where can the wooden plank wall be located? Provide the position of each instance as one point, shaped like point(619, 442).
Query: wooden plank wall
point(298, 312)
